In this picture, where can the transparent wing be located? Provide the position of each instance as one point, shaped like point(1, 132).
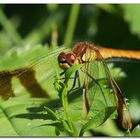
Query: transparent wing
point(28, 71)
point(99, 89)
point(122, 109)
point(101, 94)
point(92, 101)
point(107, 91)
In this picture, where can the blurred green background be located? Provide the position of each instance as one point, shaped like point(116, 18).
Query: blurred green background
point(115, 26)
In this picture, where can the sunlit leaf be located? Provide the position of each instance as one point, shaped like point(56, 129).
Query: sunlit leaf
point(136, 131)
point(25, 116)
point(99, 119)
point(132, 16)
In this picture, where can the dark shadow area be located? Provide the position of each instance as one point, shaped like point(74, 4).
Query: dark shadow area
point(6, 85)
point(29, 81)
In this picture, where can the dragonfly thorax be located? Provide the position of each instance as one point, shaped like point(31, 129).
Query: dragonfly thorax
point(85, 52)
point(89, 55)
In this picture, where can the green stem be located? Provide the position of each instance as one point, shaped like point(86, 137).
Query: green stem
point(10, 29)
point(54, 36)
point(71, 24)
point(65, 106)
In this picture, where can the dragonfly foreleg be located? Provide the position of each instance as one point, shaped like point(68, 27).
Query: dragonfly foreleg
point(62, 73)
point(76, 77)
point(64, 77)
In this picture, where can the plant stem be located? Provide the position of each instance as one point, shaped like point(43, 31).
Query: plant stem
point(65, 106)
point(71, 24)
point(54, 36)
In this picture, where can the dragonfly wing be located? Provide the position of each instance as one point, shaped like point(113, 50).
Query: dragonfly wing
point(28, 71)
point(5, 86)
point(122, 109)
point(94, 95)
point(99, 88)
point(85, 103)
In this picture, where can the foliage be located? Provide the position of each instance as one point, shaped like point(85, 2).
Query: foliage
point(34, 38)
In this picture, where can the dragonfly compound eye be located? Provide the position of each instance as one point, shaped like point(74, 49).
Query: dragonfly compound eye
point(63, 61)
point(70, 58)
point(62, 57)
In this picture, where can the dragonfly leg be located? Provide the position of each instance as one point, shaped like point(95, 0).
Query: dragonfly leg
point(62, 73)
point(76, 77)
point(74, 82)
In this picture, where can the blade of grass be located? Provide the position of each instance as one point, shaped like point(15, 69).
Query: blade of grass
point(65, 106)
point(71, 24)
point(54, 37)
point(10, 29)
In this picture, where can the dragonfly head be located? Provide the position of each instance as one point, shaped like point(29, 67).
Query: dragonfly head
point(66, 60)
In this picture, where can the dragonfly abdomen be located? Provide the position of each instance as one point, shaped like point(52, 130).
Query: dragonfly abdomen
point(117, 55)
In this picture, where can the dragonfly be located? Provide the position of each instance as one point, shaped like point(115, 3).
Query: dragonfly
point(85, 53)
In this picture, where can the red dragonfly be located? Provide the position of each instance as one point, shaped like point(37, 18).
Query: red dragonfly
point(85, 53)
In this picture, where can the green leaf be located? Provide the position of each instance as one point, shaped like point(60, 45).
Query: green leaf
point(132, 16)
point(98, 120)
point(29, 113)
point(136, 131)
point(25, 117)
point(51, 113)
point(134, 109)
point(127, 133)
point(6, 128)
